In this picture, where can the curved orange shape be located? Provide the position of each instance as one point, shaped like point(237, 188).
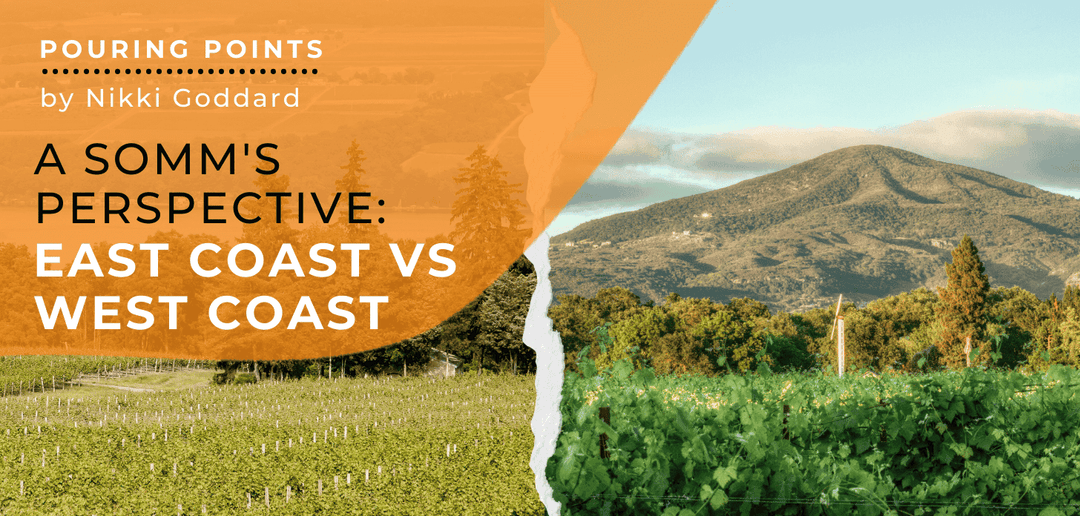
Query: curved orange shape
point(397, 160)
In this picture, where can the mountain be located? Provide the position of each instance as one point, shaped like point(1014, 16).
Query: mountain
point(866, 221)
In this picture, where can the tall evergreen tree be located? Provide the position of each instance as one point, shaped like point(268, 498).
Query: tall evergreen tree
point(962, 310)
point(487, 214)
point(1071, 298)
point(352, 181)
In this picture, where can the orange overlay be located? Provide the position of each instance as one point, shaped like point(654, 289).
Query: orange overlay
point(269, 181)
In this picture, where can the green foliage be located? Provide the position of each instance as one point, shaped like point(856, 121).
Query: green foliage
point(635, 335)
point(787, 353)
point(1070, 338)
point(502, 318)
point(727, 335)
point(902, 332)
point(488, 332)
point(872, 341)
point(616, 303)
point(574, 317)
point(679, 353)
point(748, 309)
point(964, 443)
point(682, 335)
point(487, 212)
point(962, 311)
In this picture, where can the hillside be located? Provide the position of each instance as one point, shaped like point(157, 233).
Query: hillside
point(865, 221)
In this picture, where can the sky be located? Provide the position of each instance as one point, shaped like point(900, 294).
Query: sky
point(761, 87)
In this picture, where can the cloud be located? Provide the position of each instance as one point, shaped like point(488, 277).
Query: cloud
point(1038, 147)
point(723, 162)
point(639, 148)
point(610, 193)
point(635, 185)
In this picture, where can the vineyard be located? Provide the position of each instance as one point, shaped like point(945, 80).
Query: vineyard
point(347, 446)
point(970, 442)
point(21, 374)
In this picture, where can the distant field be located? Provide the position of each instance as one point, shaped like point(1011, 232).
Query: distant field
point(148, 382)
point(46, 373)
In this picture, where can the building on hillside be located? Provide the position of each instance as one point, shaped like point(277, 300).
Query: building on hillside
point(443, 364)
point(1074, 280)
point(941, 244)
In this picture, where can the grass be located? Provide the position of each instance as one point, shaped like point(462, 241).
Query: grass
point(156, 382)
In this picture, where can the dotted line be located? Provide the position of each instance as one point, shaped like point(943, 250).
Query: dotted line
point(179, 71)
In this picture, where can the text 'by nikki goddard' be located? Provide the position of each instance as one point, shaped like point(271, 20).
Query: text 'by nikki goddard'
point(138, 97)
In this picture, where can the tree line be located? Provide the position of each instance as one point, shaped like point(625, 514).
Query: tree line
point(914, 331)
point(485, 336)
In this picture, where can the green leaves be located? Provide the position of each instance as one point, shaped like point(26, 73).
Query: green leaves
point(644, 377)
point(593, 480)
point(725, 474)
point(622, 369)
point(956, 442)
point(715, 498)
point(676, 511)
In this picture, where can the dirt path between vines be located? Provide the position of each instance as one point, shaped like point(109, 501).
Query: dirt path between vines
point(121, 387)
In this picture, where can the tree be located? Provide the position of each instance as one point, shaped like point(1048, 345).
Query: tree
point(787, 341)
point(410, 354)
point(962, 310)
point(1071, 298)
point(724, 334)
point(502, 317)
point(1016, 325)
point(487, 213)
point(871, 341)
point(575, 318)
point(351, 181)
point(680, 353)
point(692, 310)
point(634, 336)
point(890, 330)
point(748, 309)
point(616, 303)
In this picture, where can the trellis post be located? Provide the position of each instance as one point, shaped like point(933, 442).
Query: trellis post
point(840, 351)
point(967, 350)
point(605, 416)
